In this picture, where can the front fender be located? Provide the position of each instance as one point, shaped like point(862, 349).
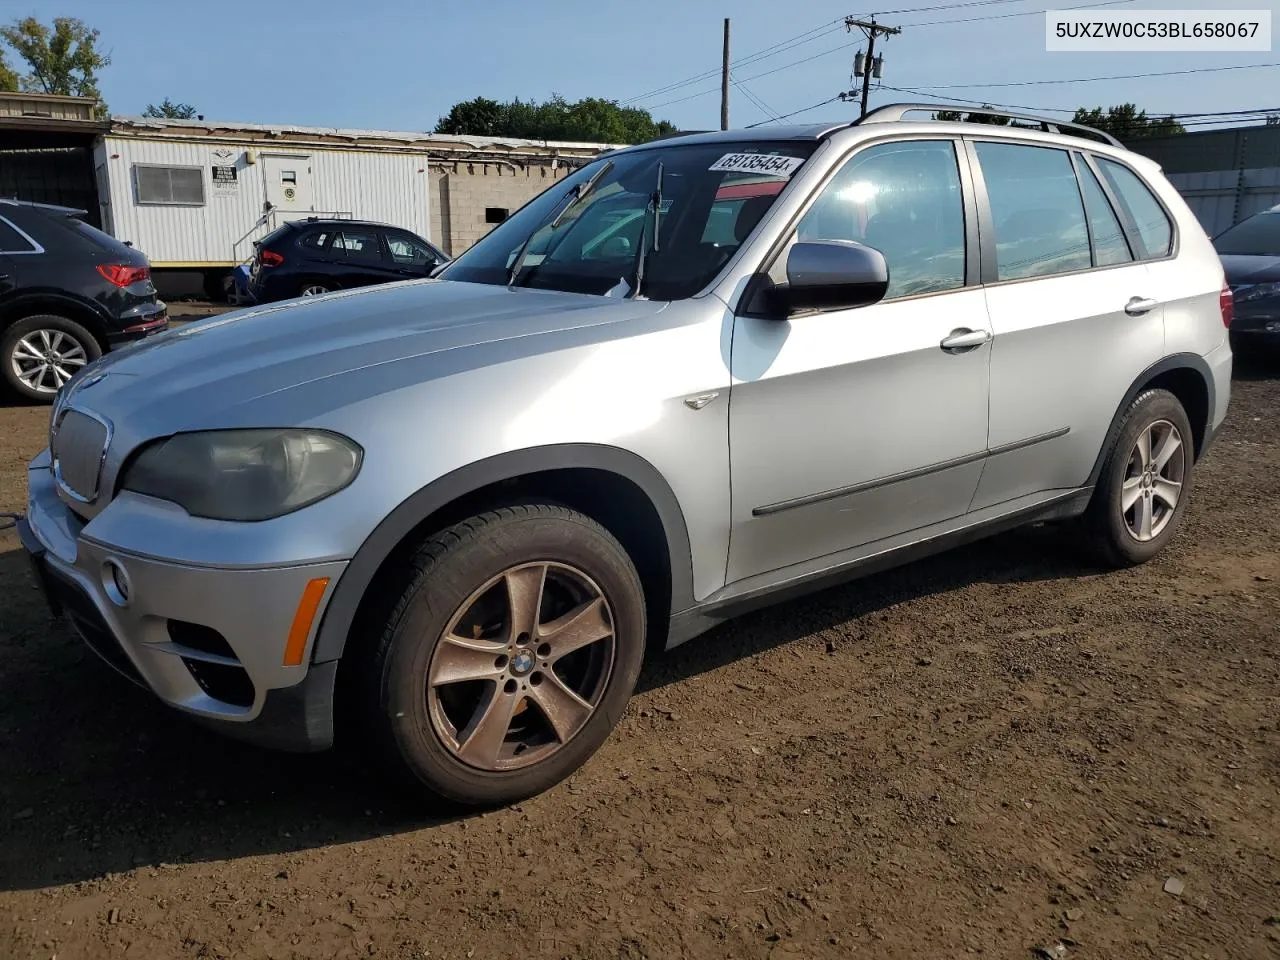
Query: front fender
point(360, 572)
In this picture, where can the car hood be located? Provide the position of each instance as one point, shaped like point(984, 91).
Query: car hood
point(1241, 268)
point(223, 369)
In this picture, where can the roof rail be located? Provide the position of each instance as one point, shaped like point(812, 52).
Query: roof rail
point(894, 111)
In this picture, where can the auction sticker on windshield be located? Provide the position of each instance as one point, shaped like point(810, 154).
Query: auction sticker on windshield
point(775, 164)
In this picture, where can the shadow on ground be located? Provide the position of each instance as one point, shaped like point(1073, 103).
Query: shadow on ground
point(99, 777)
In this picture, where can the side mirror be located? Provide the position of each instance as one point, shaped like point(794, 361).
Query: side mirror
point(832, 274)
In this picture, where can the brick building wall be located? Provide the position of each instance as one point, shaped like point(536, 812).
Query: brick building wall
point(462, 191)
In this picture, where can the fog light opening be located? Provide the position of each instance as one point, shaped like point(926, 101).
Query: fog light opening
point(116, 583)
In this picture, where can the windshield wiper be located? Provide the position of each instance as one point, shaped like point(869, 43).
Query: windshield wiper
point(567, 203)
point(648, 244)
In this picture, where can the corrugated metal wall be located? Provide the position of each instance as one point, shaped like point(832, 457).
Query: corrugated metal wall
point(389, 187)
point(1224, 175)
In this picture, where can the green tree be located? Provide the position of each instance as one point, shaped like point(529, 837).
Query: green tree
point(9, 79)
point(170, 110)
point(1127, 122)
point(591, 119)
point(63, 59)
point(973, 117)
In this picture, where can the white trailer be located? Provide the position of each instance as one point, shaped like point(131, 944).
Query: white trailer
point(200, 203)
point(194, 196)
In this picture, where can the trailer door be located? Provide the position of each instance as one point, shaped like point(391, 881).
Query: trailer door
point(288, 179)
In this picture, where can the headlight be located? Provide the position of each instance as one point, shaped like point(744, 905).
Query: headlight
point(1257, 291)
point(244, 474)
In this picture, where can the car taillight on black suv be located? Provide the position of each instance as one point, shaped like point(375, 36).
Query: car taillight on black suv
point(269, 258)
point(124, 274)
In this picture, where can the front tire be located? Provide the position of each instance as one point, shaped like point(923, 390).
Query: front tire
point(508, 657)
point(1145, 483)
point(39, 354)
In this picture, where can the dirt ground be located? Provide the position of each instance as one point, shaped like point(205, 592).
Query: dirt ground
point(992, 752)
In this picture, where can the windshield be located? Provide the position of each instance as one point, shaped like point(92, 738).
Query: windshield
point(1256, 237)
point(712, 197)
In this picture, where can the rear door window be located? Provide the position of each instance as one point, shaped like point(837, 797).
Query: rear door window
point(355, 243)
point(1109, 244)
point(1036, 210)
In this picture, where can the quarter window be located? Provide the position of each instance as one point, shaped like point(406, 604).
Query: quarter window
point(903, 199)
point(317, 239)
point(1145, 211)
point(11, 241)
point(1036, 211)
point(183, 186)
point(1109, 244)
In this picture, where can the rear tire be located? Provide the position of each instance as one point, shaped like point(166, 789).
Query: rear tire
point(479, 694)
point(313, 289)
point(1130, 517)
point(39, 354)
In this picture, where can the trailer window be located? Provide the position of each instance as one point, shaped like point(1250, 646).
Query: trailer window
point(183, 186)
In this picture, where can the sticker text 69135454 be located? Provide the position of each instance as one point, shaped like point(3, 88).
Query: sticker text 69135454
point(771, 164)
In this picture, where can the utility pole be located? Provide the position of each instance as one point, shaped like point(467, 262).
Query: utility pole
point(870, 63)
point(724, 80)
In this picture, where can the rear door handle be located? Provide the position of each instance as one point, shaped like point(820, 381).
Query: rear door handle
point(1137, 306)
point(964, 339)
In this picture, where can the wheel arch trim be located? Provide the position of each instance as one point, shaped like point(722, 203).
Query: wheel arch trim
point(340, 612)
point(30, 303)
point(1173, 362)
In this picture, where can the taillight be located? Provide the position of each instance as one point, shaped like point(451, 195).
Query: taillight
point(1227, 304)
point(123, 274)
point(269, 258)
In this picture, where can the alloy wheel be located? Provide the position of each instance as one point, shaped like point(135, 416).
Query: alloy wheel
point(314, 290)
point(1153, 481)
point(521, 667)
point(45, 359)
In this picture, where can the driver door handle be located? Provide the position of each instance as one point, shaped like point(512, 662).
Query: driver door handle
point(964, 339)
point(1137, 306)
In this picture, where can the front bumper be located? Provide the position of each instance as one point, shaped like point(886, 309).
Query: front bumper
point(209, 641)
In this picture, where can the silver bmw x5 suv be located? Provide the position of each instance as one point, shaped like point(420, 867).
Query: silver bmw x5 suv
point(449, 516)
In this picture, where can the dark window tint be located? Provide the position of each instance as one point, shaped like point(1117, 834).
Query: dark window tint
point(316, 239)
point(174, 185)
point(1258, 236)
point(1036, 210)
point(11, 241)
point(1144, 209)
point(408, 251)
point(903, 199)
point(1109, 244)
point(357, 244)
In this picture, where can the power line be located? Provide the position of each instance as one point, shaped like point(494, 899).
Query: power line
point(816, 33)
point(781, 46)
point(844, 46)
point(756, 101)
point(1024, 13)
point(942, 6)
point(1120, 76)
point(793, 113)
point(1223, 115)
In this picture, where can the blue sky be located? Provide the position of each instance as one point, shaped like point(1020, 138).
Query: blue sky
point(399, 65)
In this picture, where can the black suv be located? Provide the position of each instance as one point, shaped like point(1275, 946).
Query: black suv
point(68, 292)
point(305, 258)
